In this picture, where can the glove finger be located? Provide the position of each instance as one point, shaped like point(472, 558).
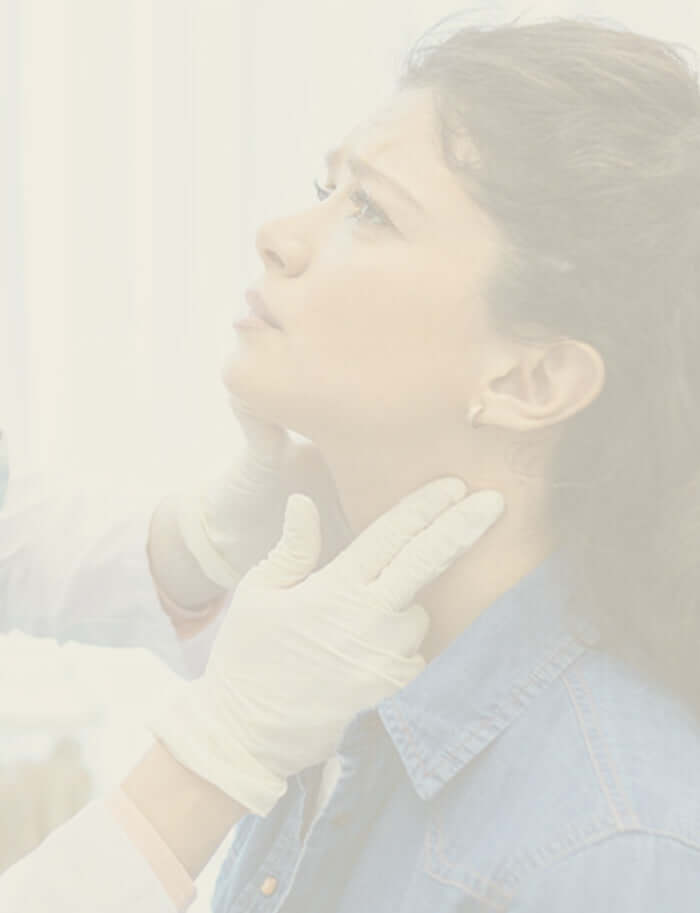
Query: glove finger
point(402, 633)
point(435, 549)
point(296, 554)
point(378, 545)
point(382, 633)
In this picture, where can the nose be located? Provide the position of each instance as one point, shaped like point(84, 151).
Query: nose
point(281, 250)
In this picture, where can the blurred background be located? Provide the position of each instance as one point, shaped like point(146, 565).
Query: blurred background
point(141, 144)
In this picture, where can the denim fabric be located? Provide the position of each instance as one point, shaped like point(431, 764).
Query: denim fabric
point(524, 770)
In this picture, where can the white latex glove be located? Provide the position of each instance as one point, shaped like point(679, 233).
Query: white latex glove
point(299, 654)
point(233, 522)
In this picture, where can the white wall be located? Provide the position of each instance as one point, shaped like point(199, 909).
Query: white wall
point(127, 229)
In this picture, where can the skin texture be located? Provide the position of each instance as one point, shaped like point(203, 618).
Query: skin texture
point(385, 343)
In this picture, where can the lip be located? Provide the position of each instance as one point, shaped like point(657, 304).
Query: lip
point(258, 308)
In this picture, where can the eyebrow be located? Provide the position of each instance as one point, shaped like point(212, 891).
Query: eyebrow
point(361, 168)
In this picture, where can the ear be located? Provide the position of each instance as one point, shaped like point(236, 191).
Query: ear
point(537, 385)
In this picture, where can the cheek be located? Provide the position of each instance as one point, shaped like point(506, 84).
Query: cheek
point(388, 344)
point(379, 306)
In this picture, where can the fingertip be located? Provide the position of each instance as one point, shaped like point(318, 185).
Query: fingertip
point(300, 506)
point(298, 498)
point(489, 501)
point(454, 487)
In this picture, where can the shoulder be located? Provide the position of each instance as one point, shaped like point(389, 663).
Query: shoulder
point(638, 749)
point(598, 778)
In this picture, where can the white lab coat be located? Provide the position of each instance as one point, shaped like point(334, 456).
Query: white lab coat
point(74, 567)
point(86, 866)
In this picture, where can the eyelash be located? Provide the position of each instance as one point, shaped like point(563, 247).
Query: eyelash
point(360, 198)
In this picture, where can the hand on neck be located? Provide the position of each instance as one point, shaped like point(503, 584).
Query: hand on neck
point(373, 475)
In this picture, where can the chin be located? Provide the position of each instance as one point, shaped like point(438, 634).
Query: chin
point(246, 375)
point(255, 393)
point(263, 390)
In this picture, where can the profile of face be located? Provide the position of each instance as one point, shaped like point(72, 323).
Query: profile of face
point(378, 290)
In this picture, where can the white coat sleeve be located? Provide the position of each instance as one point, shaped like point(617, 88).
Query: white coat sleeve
point(74, 566)
point(88, 864)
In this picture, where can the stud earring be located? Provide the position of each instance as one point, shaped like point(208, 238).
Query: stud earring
point(474, 413)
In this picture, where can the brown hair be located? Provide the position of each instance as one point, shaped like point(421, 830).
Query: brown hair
point(588, 142)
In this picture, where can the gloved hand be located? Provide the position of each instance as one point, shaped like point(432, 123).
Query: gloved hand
point(232, 523)
point(299, 654)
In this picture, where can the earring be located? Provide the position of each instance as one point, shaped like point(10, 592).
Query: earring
point(473, 414)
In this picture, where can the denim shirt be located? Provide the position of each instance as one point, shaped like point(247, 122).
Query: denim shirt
point(523, 770)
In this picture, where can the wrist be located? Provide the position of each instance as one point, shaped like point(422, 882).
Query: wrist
point(165, 865)
point(201, 729)
point(190, 814)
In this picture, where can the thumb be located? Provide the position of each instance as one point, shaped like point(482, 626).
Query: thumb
point(297, 553)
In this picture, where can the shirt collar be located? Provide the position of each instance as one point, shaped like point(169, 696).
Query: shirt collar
point(486, 677)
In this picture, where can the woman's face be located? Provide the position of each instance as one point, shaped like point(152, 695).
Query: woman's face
point(377, 290)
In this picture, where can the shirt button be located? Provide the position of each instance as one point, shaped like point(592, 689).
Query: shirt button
point(269, 886)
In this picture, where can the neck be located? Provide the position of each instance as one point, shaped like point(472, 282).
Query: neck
point(372, 475)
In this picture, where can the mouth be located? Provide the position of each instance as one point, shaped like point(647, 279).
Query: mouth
point(259, 313)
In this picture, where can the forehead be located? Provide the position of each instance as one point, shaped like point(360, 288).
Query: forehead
point(402, 129)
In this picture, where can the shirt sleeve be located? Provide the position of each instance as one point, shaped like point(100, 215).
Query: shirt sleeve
point(88, 864)
point(74, 566)
point(627, 873)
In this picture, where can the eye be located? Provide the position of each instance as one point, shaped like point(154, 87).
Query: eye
point(369, 213)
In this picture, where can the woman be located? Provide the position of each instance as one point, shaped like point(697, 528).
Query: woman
point(501, 281)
